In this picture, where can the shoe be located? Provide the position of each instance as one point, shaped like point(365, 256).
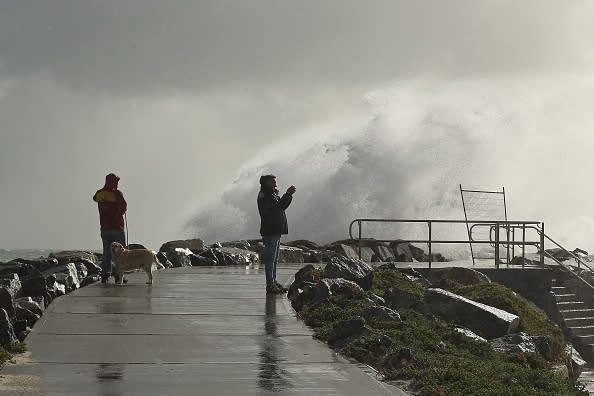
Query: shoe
point(272, 289)
point(104, 279)
point(280, 287)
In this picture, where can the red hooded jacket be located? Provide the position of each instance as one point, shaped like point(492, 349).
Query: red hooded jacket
point(112, 204)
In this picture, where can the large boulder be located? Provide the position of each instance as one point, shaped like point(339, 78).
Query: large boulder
point(487, 321)
point(9, 290)
point(351, 269)
point(303, 244)
point(180, 257)
point(7, 334)
point(378, 313)
point(191, 244)
point(35, 305)
point(461, 275)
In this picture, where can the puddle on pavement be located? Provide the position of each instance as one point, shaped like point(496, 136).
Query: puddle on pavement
point(271, 377)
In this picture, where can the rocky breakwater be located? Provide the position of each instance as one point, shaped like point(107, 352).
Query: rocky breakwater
point(410, 327)
point(27, 287)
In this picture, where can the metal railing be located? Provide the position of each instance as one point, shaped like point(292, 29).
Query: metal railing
point(494, 235)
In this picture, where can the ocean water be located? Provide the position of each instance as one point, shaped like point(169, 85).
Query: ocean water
point(11, 254)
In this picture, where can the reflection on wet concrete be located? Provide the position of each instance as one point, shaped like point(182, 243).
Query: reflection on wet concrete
point(272, 377)
point(110, 372)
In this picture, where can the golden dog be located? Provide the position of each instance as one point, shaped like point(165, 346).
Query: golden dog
point(128, 260)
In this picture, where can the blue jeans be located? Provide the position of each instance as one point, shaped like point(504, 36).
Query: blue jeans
point(271, 249)
point(109, 236)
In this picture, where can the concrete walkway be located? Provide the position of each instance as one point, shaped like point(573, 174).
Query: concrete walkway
point(196, 331)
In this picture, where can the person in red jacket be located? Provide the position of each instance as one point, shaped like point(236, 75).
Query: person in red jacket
point(112, 207)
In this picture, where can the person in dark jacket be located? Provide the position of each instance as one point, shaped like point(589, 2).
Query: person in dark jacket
point(273, 224)
point(112, 207)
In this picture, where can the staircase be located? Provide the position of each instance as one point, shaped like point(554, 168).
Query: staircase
point(578, 320)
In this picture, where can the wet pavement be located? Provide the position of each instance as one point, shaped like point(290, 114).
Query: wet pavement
point(195, 331)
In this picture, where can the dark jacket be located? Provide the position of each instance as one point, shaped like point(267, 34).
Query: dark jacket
point(273, 220)
point(112, 204)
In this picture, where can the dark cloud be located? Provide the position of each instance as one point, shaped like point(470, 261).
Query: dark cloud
point(147, 46)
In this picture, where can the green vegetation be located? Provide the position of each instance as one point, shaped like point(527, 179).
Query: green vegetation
point(445, 362)
point(7, 352)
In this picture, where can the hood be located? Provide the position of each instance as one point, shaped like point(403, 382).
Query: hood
point(111, 182)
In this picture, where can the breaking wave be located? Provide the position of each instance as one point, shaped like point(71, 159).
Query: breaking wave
point(406, 153)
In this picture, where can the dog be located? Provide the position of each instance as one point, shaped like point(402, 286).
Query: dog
point(128, 260)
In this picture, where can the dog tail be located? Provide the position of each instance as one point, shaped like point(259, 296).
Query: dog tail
point(159, 265)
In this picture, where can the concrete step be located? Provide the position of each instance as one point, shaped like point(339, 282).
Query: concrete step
point(585, 339)
point(581, 330)
point(560, 290)
point(571, 305)
point(579, 322)
point(577, 313)
point(566, 297)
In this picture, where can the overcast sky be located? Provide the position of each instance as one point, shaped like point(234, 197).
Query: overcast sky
point(174, 96)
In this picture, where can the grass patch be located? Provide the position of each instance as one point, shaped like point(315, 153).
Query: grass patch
point(7, 352)
point(384, 279)
point(446, 361)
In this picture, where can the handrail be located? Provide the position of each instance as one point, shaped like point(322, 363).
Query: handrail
point(513, 225)
point(497, 224)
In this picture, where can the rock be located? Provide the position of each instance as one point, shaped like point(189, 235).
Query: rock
point(180, 257)
point(162, 258)
point(9, 289)
point(385, 253)
point(350, 269)
point(544, 346)
point(402, 251)
point(519, 261)
point(200, 261)
point(469, 333)
point(34, 285)
point(345, 328)
point(243, 245)
point(305, 294)
point(35, 305)
point(514, 343)
point(463, 276)
point(487, 321)
point(66, 275)
point(53, 289)
point(7, 334)
point(192, 244)
point(304, 245)
point(26, 315)
point(405, 358)
point(380, 314)
point(89, 280)
point(225, 256)
point(73, 256)
point(576, 362)
point(306, 274)
point(402, 299)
